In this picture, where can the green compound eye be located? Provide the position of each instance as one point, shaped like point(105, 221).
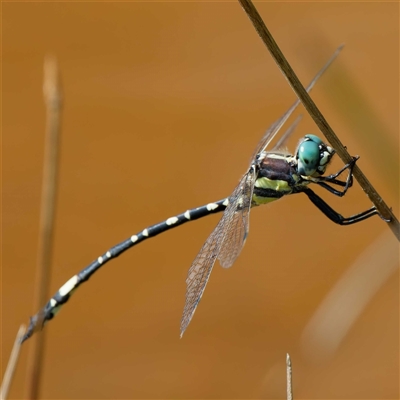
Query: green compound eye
point(308, 155)
point(314, 138)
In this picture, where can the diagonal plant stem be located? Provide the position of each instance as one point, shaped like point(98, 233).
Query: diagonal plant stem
point(12, 363)
point(316, 115)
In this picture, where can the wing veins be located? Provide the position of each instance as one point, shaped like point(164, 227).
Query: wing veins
point(201, 268)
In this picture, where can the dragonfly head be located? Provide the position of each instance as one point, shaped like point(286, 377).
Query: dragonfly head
point(313, 156)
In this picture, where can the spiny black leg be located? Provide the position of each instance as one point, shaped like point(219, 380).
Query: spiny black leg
point(332, 179)
point(333, 190)
point(335, 216)
point(338, 182)
point(348, 166)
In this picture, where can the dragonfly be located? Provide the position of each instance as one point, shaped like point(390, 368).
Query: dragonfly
point(270, 176)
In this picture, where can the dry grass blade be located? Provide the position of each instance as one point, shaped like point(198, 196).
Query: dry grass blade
point(316, 115)
point(52, 97)
point(289, 390)
point(347, 300)
point(12, 363)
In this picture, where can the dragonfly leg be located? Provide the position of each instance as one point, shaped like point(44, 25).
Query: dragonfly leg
point(334, 215)
point(332, 179)
point(349, 166)
point(332, 190)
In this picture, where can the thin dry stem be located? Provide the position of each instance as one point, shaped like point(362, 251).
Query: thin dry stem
point(52, 97)
point(316, 115)
point(289, 391)
point(12, 363)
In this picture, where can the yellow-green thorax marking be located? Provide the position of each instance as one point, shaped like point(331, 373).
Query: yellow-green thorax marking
point(281, 174)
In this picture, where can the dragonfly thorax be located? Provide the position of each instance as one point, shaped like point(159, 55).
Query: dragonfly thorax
point(276, 176)
point(313, 156)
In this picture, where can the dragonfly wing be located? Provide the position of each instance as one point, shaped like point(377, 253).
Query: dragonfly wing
point(199, 273)
point(276, 126)
point(284, 138)
point(201, 268)
point(273, 130)
point(237, 227)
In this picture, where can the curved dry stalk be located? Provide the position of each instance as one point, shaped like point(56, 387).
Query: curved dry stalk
point(316, 115)
point(338, 312)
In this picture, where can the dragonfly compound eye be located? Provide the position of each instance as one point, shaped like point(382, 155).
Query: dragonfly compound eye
point(308, 155)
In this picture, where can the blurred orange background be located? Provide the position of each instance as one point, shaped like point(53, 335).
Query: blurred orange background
point(163, 106)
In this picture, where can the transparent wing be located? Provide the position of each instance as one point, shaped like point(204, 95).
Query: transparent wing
point(227, 239)
point(237, 229)
point(232, 228)
point(284, 138)
point(272, 131)
point(276, 126)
